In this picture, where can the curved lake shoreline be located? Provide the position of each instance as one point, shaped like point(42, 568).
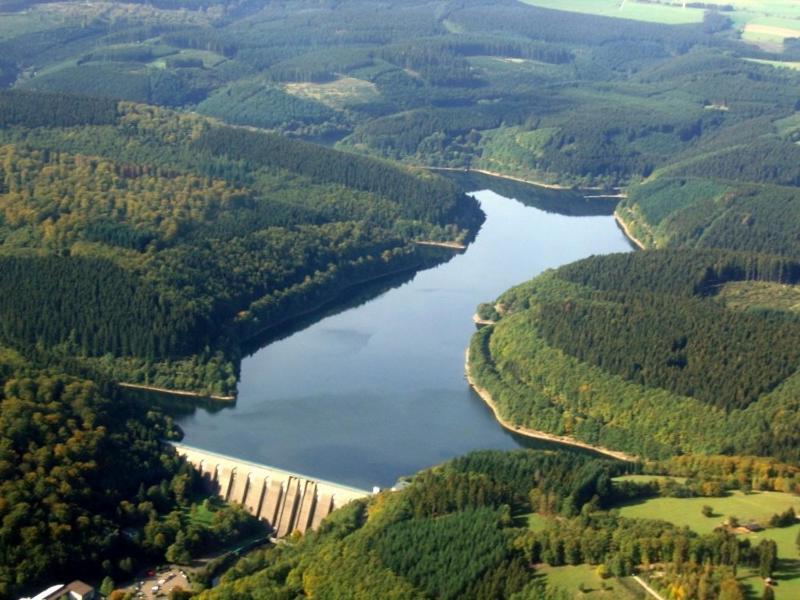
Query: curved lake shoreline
point(486, 396)
point(377, 390)
point(498, 175)
point(627, 231)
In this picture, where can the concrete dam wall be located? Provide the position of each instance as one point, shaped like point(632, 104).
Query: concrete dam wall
point(286, 501)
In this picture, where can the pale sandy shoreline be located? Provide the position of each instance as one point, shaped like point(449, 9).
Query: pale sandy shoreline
point(481, 322)
point(533, 433)
point(161, 390)
point(541, 184)
point(448, 245)
point(626, 230)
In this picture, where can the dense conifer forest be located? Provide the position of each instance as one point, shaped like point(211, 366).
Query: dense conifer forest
point(598, 349)
point(175, 238)
point(504, 86)
point(461, 530)
point(161, 203)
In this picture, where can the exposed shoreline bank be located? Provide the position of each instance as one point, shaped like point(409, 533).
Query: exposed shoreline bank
point(533, 433)
point(476, 318)
point(541, 184)
point(626, 230)
point(449, 245)
point(171, 392)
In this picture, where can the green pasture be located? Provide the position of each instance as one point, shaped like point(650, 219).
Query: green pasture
point(757, 506)
point(655, 13)
point(584, 582)
point(210, 59)
point(788, 574)
point(17, 24)
point(780, 64)
point(769, 21)
point(788, 125)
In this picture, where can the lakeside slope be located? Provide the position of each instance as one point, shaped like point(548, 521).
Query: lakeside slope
point(533, 433)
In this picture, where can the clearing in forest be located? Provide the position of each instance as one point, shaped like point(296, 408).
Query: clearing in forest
point(338, 94)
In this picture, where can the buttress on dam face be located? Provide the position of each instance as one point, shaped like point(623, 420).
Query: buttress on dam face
point(286, 501)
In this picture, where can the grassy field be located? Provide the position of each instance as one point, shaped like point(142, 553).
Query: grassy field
point(779, 64)
point(763, 22)
point(758, 507)
point(656, 13)
point(770, 37)
point(788, 125)
point(788, 575)
point(760, 295)
point(202, 513)
point(210, 59)
point(687, 512)
point(535, 521)
point(746, 507)
point(573, 579)
point(13, 25)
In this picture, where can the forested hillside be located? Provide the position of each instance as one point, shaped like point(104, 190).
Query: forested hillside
point(89, 489)
point(149, 225)
point(140, 243)
point(715, 213)
point(500, 525)
point(642, 352)
point(503, 86)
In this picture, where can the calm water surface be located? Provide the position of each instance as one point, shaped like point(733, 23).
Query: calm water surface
point(378, 390)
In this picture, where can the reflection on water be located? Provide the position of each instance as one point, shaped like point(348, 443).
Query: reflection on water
point(561, 202)
point(375, 390)
point(356, 296)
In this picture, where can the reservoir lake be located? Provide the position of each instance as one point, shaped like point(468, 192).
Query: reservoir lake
point(375, 389)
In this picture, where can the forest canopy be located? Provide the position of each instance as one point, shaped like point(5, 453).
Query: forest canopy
point(149, 226)
point(602, 348)
point(143, 242)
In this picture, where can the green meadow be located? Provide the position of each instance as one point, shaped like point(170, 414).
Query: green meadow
point(584, 582)
point(654, 13)
point(758, 507)
point(763, 22)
